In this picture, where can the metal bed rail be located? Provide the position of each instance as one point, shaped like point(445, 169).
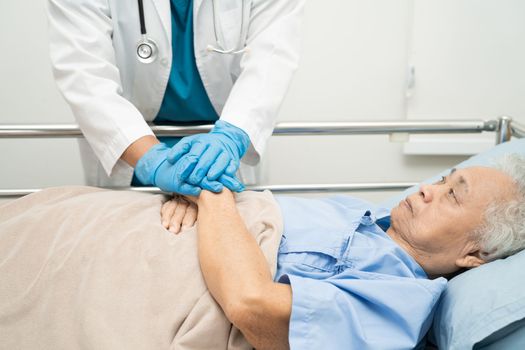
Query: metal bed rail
point(283, 128)
point(504, 127)
point(307, 188)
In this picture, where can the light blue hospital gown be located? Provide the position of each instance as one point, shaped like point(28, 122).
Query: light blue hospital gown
point(353, 287)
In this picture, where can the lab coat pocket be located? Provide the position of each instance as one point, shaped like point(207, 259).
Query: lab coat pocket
point(231, 28)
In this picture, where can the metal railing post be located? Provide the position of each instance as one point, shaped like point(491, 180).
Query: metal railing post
point(504, 130)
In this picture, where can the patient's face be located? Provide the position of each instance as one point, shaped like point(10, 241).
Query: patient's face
point(439, 218)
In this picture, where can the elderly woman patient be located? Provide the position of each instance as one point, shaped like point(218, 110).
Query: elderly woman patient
point(344, 274)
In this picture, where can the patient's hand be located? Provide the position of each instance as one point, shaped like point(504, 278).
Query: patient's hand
point(178, 214)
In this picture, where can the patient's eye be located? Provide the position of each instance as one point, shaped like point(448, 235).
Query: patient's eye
point(453, 194)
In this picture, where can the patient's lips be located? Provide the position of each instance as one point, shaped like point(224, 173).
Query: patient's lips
point(407, 203)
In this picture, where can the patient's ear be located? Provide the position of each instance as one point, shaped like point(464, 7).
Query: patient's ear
point(470, 260)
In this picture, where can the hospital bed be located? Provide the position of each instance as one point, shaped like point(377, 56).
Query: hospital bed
point(499, 309)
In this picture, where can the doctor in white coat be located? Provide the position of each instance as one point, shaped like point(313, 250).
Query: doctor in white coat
point(122, 64)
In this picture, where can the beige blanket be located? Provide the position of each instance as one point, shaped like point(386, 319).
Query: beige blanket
point(87, 268)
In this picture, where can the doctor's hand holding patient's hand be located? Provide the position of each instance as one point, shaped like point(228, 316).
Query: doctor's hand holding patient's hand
point(203, 161)
point(212, 158)
point(154, 169)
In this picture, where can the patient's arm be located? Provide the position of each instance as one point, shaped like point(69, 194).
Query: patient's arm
point(237, 274)
point(178, 214)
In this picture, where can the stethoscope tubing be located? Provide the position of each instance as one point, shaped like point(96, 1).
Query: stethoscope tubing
point(142, 18)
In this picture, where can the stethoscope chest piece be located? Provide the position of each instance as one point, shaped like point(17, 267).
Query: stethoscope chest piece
point(147, 50)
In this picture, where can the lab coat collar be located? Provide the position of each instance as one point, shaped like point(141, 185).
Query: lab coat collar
point(164, 12)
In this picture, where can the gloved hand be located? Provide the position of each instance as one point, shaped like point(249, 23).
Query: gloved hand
point(154, 169)
point(217, 156)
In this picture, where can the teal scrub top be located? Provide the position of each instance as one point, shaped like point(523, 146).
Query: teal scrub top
point(185, 100)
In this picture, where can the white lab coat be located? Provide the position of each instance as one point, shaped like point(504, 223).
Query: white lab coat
point(113, 95)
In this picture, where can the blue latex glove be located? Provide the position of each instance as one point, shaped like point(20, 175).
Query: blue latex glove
point(154, 169)
point(217, 155)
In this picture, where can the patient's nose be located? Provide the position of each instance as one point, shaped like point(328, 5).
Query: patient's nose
point(426, 192)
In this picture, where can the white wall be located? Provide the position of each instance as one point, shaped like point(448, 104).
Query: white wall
point(468, 59)
point(467, 55)
point(28, 95)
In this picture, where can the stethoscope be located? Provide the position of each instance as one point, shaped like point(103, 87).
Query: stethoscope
point(147, 50)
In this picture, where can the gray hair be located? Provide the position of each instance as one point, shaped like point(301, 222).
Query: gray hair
point(503, 232)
